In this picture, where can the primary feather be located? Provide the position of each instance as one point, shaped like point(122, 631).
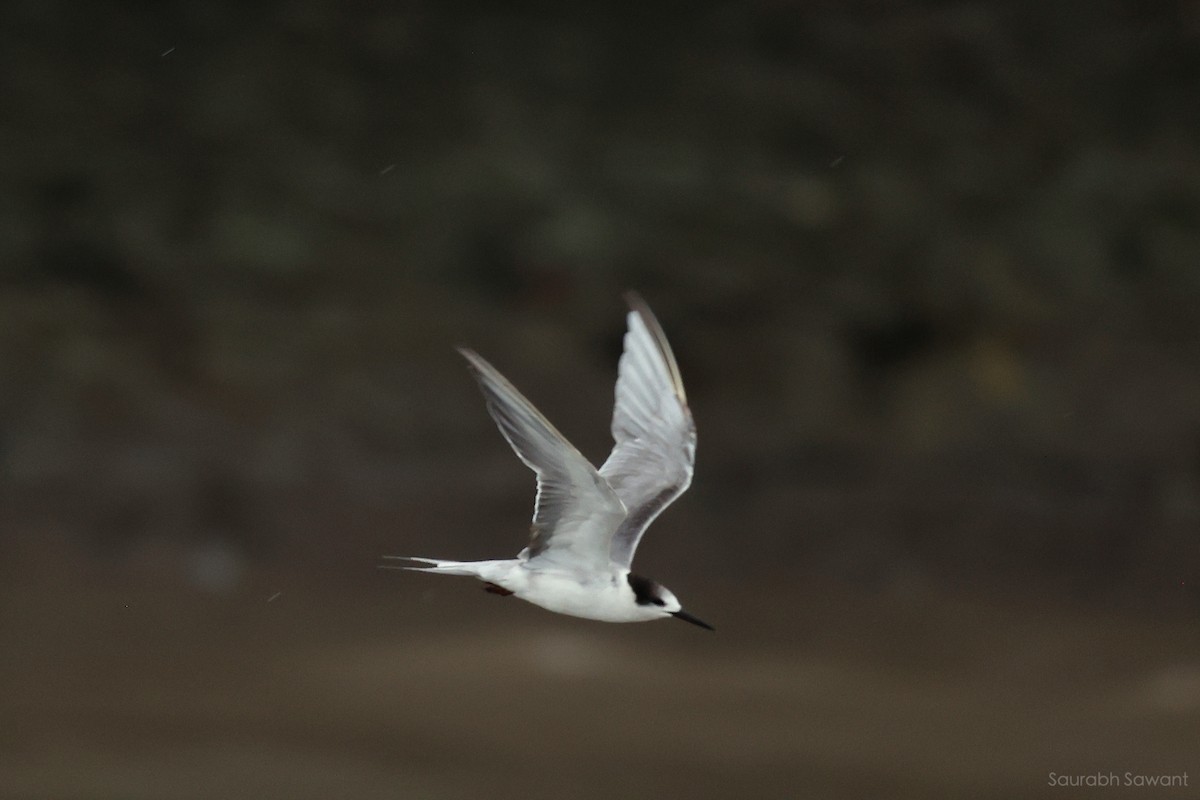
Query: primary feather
point(576, 510)
point(654, 456)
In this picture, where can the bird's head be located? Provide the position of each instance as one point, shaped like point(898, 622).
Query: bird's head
point(658, 600)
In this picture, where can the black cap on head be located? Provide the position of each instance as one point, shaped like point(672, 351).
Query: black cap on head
point(645, 591)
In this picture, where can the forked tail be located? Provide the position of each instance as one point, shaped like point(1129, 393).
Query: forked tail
point(442, 566)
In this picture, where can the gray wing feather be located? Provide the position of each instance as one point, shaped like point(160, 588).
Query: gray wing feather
point(576, 510)
point(655, 452)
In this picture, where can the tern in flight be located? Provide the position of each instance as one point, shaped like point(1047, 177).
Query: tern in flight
point(587, 522)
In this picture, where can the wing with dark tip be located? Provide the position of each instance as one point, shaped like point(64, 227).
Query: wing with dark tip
point(576, 510)
point(652, 461)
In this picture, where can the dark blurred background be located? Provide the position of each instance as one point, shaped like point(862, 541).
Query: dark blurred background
point(931, 271)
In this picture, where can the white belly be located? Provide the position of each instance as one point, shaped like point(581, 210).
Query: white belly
point(563, 593)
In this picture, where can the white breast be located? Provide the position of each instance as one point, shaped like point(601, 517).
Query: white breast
point(608, 599)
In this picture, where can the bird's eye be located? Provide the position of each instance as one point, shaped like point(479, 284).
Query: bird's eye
point(658, 601)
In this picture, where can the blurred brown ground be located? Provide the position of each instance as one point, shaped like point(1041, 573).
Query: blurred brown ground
point(298, 686)
point(930, 270)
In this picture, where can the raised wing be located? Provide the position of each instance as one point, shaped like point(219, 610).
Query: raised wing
point(576, 511)
point(655, 437)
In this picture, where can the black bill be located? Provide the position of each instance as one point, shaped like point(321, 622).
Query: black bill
point(686, 617)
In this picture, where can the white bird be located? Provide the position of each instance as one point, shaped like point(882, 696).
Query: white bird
point(587, 523)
